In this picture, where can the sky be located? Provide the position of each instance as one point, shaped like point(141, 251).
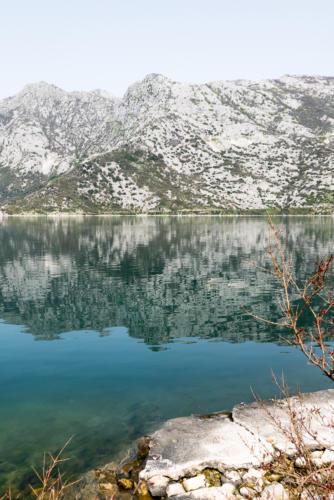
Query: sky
point(110, 44)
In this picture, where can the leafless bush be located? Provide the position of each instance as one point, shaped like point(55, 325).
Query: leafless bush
point(315, 297)
point(302, 474)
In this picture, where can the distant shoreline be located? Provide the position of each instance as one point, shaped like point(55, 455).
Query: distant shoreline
point(192, 214)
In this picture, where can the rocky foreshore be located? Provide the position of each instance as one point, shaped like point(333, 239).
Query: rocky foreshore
point(262, 450)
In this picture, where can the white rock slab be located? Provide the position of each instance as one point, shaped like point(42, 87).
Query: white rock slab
point(185, 446)
point(316, 410)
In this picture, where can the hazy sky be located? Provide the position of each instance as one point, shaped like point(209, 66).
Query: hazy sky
point(87, 44)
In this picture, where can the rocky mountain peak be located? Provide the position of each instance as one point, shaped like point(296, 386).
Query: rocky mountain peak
point(40, 90)
point(226, 145)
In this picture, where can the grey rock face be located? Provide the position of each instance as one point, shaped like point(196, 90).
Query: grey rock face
point(232, 145)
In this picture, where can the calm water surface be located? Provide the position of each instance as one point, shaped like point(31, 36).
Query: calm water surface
point(110, 325)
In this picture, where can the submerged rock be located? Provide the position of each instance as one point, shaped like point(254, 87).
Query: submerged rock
point(108, 473)
point(143, 447)
point(124, 483)
point(142, 492)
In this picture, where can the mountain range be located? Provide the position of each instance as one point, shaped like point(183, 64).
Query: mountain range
point(221, 147)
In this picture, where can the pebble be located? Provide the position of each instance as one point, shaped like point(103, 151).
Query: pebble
point(327, 457)
point(300, 462)
point(194, 483)
point(127, 484)
point(158, 485)
point(142, 491)
point(247, 492)
point(274, 477)
point(228, 489)
point(112, 489)
point(212, 493)
point(274, 491)
point(174, 489)
point(107, 486)
point(232, 475)
point(254, 477)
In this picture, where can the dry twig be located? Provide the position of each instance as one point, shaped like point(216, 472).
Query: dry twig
point(311, 340)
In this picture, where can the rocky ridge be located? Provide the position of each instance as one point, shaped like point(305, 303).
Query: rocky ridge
point(169, 146)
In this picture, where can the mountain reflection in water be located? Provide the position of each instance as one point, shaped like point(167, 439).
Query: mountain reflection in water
point(161, 277)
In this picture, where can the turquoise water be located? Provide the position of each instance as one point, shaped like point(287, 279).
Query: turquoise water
point(110, 325)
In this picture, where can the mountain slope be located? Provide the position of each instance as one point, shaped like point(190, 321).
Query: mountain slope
point(231, 146)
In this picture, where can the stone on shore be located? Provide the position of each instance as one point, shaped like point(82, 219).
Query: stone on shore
point(157, 485)
point(214, 493)
point(232, 476)
point(174, 489)
point(187, 445)
point(194, 483)
point(223, 456)
point(254, 478)
point(274, 491)
point(327, 457)
point(247, 492)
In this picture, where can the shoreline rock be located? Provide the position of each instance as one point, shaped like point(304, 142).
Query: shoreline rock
point(225, 456)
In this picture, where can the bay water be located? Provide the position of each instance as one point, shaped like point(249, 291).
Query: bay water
point(110, 325)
